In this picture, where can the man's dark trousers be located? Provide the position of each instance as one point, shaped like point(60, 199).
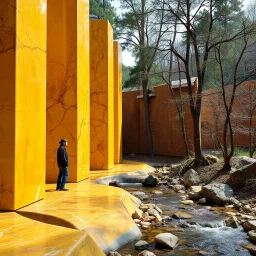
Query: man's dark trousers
point(62, 178)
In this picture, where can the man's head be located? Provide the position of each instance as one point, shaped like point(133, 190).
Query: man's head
point(64, 142)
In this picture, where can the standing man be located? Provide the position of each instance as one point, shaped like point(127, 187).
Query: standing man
point(62, 160)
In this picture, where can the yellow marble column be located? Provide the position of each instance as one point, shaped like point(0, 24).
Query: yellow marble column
point(68, 86)
point(22, 102)
point(102, 95)
point(117, 103)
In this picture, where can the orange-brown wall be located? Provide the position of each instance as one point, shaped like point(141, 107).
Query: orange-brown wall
point(165, 124)
point(213, 114)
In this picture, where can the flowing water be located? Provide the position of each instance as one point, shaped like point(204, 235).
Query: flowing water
point(204, 234)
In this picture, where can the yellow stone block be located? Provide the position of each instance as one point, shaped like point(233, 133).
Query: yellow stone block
point(102, 95)
point(22, 102)
point(68, 86)
point(117, 103)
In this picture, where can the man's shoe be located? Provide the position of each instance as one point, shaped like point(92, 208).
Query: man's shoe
point(57, 189)
point(63, 189)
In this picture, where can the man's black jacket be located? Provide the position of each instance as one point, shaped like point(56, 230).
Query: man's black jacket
point(62, 157)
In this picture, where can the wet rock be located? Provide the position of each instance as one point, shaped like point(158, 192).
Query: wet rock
point(157, 192)
point(217, 193)
point(146, 253)
point(232, 222)
point(143, 207)
point(187, 202)
point(177, 188)
point(193, 196)
point(202, 200)
point(174, 181)
point(196, 189)
point(230, 213)
point(249, 225)
point(250, 247)
point(246, 208)
point(168, 240)
point(252, 235)
point(191, 178)
point(237, 177)
point(141, 245)
point(138, 214)
point(182, 191)
point(114, 184)
point(167, 218)
point(140, 195)
point(181, 215)
point(212, 159)
point(112, 253)
point(150, 181)
point(137, 221)
point(235, 202)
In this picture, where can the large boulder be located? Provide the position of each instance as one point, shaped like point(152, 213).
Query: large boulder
point(191, 178)
point(167, 240)
point(150, 181)
point(240, 161)
point(217, 193)
point(238, 177)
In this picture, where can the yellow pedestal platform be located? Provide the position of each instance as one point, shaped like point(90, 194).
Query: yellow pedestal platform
point(102, 95)
point(68, 86)
point(22, 102)
point(117, 103)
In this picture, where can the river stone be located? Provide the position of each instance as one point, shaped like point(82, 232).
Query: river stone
point(250, 247)
point(232, 222)
point(238, 177)
point(112, 253)
point(244, 160)
point(217, 193)
point(146, 253)
point(191, 178)
point(137, 221)
point(181, 215)
point(152, 212)
point(252, 235)
point(167, 239)
point(141, 245)
point(144, 208)
point(141, 195)
point(193, 196)
point(177, 188)
point(187, 202)
point(114, 184)
point(249, 225)
point(150, 181)
point(196, 189)
point(156, 192)
point(138, 214)
point(212, 159)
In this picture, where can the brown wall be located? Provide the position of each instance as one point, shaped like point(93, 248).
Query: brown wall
point(213, 114)
point(165, 124)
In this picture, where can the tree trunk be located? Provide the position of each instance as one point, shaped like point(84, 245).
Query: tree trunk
point(184, 135)
point(147, 117)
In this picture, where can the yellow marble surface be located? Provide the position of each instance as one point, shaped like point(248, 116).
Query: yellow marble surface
point(68, 86)
point(23, 236)
point(22, 102)
point(102, 95)
point(117, 103)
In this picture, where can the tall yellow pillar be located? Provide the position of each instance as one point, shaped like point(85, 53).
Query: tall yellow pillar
point(68, 86)
point(22, 102)
point(117, 102)
point(102, 95)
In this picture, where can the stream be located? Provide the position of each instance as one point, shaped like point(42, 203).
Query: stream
point(204, 234)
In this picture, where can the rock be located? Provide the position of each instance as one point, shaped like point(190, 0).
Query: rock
point(238, 177)
point(177, 188)
point(140, 195)
point(235, 202)
point(150, 181)
point(146, 253)
point(175, 181)
point(187, 202)
point(250, 247)
point(158, 209)
point(230, 213)
point(232, 222)
point(138, 214)
point(167, 218)
point(141, 245)
point(143, 207)
point(112, 253)
point(246, 208)
point(202, 200)
point(193, 196)
point(132, 155)
point(152, 212)
point(212, 159)
point(191, 178)
point(168, 240)
point(249, 225)
point(181, 215)
point(244, 160)
point(114, 184)
point(156, 192)
point(196, 189)
point(137, 221)
point(217, 193)
point(252, 235)
point(182, 192)
point(158, 218)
